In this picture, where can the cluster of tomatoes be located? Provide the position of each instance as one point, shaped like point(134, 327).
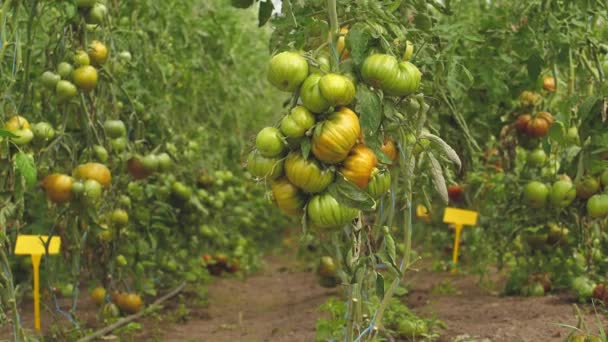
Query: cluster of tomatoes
point(23, 133)
point(67, 80)
point(320, 139)
point(129, 303)
point(219, 263)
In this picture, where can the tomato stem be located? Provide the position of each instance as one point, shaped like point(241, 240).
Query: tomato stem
point(334, 32)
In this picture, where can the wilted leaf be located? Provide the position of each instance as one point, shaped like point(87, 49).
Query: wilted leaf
point(438, 179)
point(445, 148)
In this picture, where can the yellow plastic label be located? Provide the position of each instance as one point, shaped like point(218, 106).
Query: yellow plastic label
point(460, 216)
point(35, 244)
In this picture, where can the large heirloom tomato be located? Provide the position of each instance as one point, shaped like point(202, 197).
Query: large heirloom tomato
point(287, 71)
point(270, 142)
point(359, 164)
point(94, 171)
point(407, 81)
point(334, 137)
point(58, 187)
point(311, 96)
point(307, 174)
point(325, 212)
point(379, 183)
point(288, 197)
point(379, 70)
point(338, 90)
point(262, 167)
point(297, 122)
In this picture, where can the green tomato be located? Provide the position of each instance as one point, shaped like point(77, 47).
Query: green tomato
point(119, 144)
point(295, 124)
point(536, 194)
point(97, 14)
point(287, 71)
point(379, 183)
point(311, 96)
point(181, 191)
point(165, 163)
point(49, 79)
point(92, 191)
point(407, 81)
point(572, 135)
point(270, 142)
point(336, 89)
point(587, 187)
point(81, 58)
point(121, 260)
point(537, 290)
point(23, 136)
point(327, 267)
point(124, 201)
point(119, 217)
point(562, 193)
point(537, 158)
point(262, 167)
point(115, 128)
point(101, 153)
point(597, 206)
point(65, 90)
point(604, 178)
point(150, 162)
point(65, 70)
point(43, 131)
point(380, 70)
point(325, 212)
point(78, 188)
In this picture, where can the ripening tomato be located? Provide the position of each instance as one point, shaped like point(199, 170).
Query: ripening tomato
point(65, 90)
point(390, 149)
point(23, 136)
point(341, 46)
point(287, 71)
point(549, 84)
point(95, 171)
point(379, 70)
point(307, 174)
point(334, 137)
point(58, 187)
point(262, 167)
point(359, 164)
point(587, 187)
point(327, 267)
point(547, 117)
point(98, 295)
point(270, 142)
point(98, 52)
point(310, 94)
point(85, 77)
point(379, 183)
point(455, 192)
point(537, 127)
point(324, 211)
point(132, 303)
point(16, 122)
point(288, 197)
point(337, 90)
point(522, 122)
point(297, 122)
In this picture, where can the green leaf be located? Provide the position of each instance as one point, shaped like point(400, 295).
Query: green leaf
point(369, 109)
point(26, 168)
point(534, 65)
point(557, 132)
point(265, 12)
point(379, 285)
point(376, 146)
point(305, 147)
point(390, 246)
point(348, 194)
point(357, 42)
point(5, 133)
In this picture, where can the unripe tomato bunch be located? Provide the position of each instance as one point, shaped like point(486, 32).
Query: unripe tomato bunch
point(319, 142)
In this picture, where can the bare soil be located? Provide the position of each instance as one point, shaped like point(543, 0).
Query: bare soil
point(281, 304)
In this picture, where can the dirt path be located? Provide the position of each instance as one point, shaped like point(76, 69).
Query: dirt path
point(280, 304)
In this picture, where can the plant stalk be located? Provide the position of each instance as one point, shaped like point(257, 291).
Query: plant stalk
point(334, 29)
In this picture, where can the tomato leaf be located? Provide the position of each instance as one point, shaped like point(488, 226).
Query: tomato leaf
point(376, 146)
point(305, 147)
point(357, 42)
point(379, 285)
point(26, 168)
point(265, 12)
point(348, 194)
point(390, 246)
point(444, 148)
point(535, 64)
point(5, 133)
point(369, 109)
